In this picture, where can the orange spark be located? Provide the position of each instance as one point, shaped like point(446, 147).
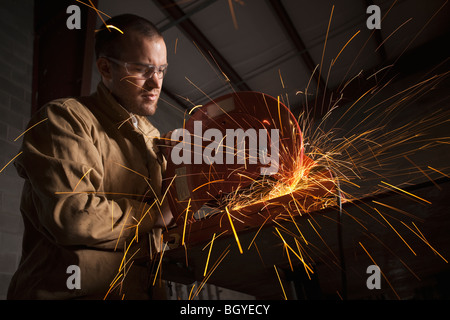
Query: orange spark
point(112, 285)
point(195, 107)
point(323, 241)
point(234, 231)
point(10, 161)
point(395, 209)
point(216, 264)
point(30, 128)
point(396, 231)
point(287, 246)
point(281, 78)
point(251, 242)
point(423, 172)
point(97, 11)
point(81, 179)
point(93, 7)
point(445, 175)
point(233, 15)
point(300, 252)
point(185, 220)
point(398, 297)
point(209, 254)
point(112, 215)
point(126, 251)
point(121, 230)
point(159, 264)
point(323, 51)
point(114, 27)
point(422, 237)
point(209, 182)
point(335, 59)
point(392, 33)
point(281, 284)
point(408, 193)
point(190, 293)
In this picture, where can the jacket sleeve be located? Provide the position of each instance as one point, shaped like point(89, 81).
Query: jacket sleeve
point(64, 168)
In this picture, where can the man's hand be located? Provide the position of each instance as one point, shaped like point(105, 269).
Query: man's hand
point(165, 143)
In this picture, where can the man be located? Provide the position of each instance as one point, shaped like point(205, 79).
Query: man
point(93, 177)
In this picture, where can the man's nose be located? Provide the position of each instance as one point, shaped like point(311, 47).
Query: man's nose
point(153, 81)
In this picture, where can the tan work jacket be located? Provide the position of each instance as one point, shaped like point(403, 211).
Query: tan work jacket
point(91, 177)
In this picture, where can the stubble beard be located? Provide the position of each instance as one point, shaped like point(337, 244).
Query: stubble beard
point(140, 106)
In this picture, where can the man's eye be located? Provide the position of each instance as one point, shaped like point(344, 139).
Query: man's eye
point(138, 69)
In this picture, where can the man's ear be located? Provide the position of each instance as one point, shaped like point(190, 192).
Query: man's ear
point(104, 67)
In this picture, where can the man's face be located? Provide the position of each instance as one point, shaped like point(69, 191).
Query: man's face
point(137, 96)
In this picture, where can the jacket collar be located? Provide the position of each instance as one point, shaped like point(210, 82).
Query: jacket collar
point(109, 105)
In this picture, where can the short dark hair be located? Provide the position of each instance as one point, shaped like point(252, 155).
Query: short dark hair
point(106, 38)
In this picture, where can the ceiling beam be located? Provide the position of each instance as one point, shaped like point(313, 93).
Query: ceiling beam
point(296, 40)
point(188, 14)
point(194, 33)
